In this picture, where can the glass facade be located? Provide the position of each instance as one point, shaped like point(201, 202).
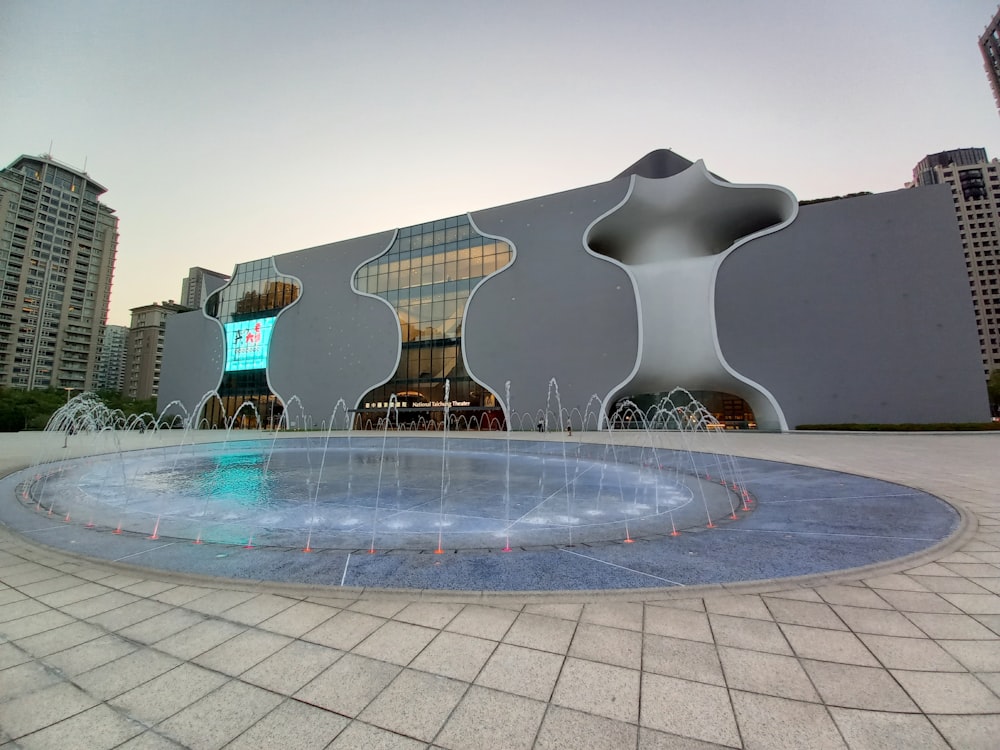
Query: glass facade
point(247, 307)
point(732, 411)
point(427, 275)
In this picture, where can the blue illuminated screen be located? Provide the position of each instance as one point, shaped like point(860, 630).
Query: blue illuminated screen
point(247, 343)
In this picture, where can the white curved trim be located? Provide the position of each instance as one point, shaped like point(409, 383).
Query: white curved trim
point(395, 317)
point(635, 293)
point(222, 329)
point(267, 369)
point(504, 406)
point(782, 421)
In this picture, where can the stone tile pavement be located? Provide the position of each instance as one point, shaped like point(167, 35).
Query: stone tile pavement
point(906, 654)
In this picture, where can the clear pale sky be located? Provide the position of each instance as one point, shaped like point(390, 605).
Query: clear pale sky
point(231, 131)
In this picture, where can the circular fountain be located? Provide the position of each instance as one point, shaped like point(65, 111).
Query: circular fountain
point(351, 493)
point(626, 507)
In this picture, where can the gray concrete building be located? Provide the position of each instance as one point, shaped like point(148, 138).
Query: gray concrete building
point(974, 182)
point(57, 257)
point(111, 359)
point(197, 285)
point(557, 308)
point(144, 353)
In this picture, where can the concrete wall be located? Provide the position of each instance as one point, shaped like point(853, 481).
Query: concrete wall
point(332, 343)
point(858, 312)
point(557, 311)
point(193, 358)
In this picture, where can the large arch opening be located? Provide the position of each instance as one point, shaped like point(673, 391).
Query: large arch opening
point(427, 275)
point(247, 308)
point(731, 411)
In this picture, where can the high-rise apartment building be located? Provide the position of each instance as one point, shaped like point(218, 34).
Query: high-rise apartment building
point(989, 46)
point(57, 259)
point(200, 282)
point(111, 359)
point(145, 348)
point(975, 192)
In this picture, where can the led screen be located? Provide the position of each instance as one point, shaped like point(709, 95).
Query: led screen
point(247, 342)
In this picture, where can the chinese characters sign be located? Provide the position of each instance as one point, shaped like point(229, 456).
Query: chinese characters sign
point(247, 343)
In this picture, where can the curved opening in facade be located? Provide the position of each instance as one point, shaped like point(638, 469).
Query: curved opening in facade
point(670, 234)
point(427, 276)
point(731, 411)
point(247, 308)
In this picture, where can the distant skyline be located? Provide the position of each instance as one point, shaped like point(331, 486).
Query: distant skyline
point(227, 131)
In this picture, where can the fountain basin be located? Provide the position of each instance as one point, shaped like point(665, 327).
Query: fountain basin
point(392, 493)
point(805, 520)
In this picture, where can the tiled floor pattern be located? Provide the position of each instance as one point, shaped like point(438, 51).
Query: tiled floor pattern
point(94, 655)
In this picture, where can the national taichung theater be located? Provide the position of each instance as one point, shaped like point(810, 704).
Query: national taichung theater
point(773, 314)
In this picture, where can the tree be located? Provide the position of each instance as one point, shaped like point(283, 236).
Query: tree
point(128, 406)
point(31, 410)
point(993, 389)
point(24, 410)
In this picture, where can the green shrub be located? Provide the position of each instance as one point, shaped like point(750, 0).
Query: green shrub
point(31, 410)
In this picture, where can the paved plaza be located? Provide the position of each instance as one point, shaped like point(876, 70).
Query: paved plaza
point(906, 653)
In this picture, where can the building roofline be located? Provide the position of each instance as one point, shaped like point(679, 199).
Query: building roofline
point(47, 158)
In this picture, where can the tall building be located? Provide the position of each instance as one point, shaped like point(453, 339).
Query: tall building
point(200, 282)
point(57, 260)
point(144, 353)
point(989, 46)
point(975, 193)
point(111, 359)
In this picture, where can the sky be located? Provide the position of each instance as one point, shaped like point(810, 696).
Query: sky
point(231, 130)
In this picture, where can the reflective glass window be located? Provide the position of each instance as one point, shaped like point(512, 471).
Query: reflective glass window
point(247, 307)
point(427, 275)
